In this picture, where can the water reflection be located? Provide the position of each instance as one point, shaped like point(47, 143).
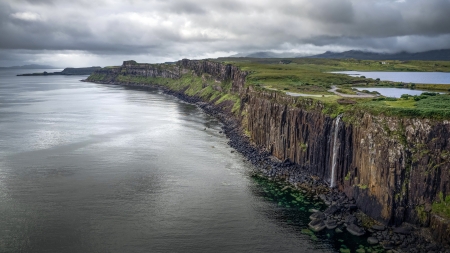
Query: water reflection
point(406, 77)
point(101, 168)
point(394, 92)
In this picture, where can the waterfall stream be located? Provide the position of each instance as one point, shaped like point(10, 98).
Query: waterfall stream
point(335, 149)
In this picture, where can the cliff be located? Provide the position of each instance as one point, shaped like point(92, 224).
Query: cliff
point(396, 168)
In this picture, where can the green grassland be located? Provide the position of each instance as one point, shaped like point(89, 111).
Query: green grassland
point(204, 87)
point(312, 76)
point(303, 72)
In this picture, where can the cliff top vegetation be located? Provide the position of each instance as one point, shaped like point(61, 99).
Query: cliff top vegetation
point(306, 80)
point(311, 79)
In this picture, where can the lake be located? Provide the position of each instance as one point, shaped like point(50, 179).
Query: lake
point(393, 92)
point(87, 167)
point(406, 77)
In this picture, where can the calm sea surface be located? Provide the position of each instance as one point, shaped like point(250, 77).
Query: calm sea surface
point(100, 168)
point(406, 77)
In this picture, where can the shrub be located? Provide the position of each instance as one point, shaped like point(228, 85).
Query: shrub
point(405, 96)
point(429, 93)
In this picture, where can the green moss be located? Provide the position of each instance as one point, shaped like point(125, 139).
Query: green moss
point(419, 151)
point(303, 146)
point(442, 207)
point(344, 250)
point(445, 154)
point(347, 177)
point(362, 186)
point(97, 77)
point(421, 214)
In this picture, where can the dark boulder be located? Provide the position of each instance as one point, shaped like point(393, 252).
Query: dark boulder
point(317, 216)
point(372, 240)
point(317, 225)
point(402, 230)
point(355, 230)
point(331, 210)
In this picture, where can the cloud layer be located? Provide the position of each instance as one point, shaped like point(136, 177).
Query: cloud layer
point(104, 31)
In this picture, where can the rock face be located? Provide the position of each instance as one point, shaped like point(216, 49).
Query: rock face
point(222, 72)
point(395, 168)
point(390, 166)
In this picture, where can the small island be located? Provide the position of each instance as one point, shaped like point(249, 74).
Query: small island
point(66, 72)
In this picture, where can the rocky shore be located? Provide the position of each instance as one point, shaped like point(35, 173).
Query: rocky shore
point(342, 213)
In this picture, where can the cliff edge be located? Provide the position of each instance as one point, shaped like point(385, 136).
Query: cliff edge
point(397, 169)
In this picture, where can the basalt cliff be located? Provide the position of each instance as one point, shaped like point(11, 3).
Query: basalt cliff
point(397, 169)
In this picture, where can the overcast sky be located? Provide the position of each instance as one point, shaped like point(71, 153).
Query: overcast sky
point(106, 32)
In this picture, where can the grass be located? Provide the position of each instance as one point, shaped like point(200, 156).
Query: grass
point(346, 91)
point(97, 77)
point(205, 86)
point(437, 87)
point(304, 72)
point(311, 77)
point(347, 177)
point(442, 207)
point(437, 107)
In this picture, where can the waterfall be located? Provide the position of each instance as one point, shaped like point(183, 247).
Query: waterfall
point(335, 150)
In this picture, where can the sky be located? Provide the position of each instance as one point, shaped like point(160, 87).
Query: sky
point(79, 33)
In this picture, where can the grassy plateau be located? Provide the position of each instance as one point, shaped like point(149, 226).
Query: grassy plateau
point(311, 79)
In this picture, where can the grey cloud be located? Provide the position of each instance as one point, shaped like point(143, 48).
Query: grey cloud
point(322, 11)
point(186, 7)
point(174, 29)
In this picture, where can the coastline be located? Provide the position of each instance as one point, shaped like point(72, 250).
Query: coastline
point(341, 210)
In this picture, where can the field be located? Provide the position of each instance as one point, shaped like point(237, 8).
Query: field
point(312, 77)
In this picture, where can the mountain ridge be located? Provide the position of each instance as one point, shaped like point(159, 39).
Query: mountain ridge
point(433, 55)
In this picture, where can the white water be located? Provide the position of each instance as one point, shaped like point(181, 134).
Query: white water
point(335, 147)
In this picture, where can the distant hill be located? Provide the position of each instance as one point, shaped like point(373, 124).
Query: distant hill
point(30, 66)
point(266, 54)
point(66, 72)
point(434, 55)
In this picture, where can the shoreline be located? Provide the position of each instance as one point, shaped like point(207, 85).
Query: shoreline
point(342, 212)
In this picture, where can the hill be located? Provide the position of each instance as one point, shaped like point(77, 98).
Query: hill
point(266, 54)
point(66, 72)
point(434, 55)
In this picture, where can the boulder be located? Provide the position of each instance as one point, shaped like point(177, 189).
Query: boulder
point(317, 225)
point(378, 227)
point(317, 216)
point(331, 210)
point(355, 230)
point(372, 240)
point(351, 220)
point(387, 245)
point(331, 224)
point(402, 230)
